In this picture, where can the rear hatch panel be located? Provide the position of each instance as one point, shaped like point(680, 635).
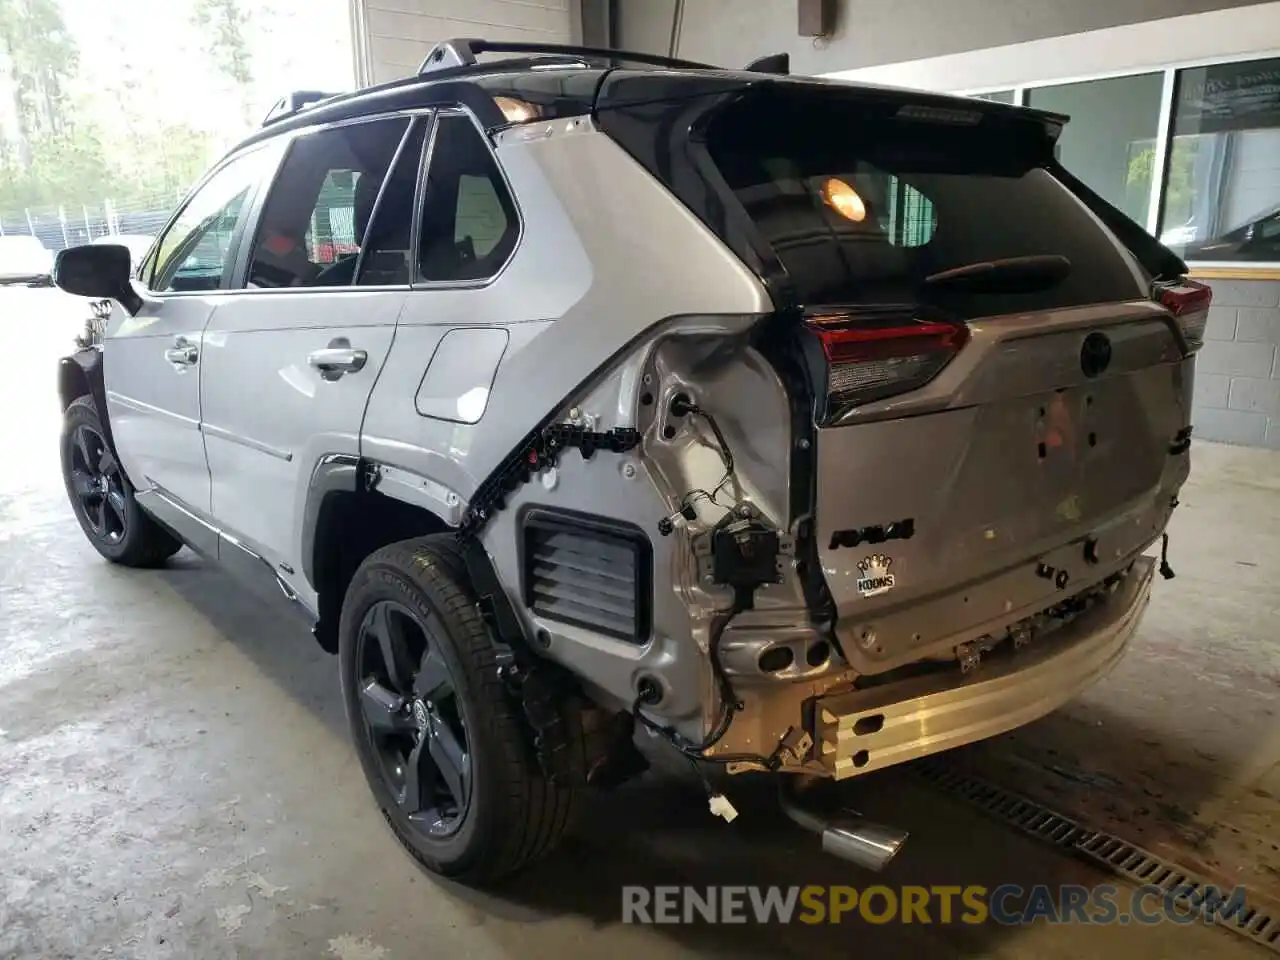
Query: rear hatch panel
point(1012, 496)
point(1038, 457)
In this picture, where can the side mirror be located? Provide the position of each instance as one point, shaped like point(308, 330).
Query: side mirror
point(101, 271)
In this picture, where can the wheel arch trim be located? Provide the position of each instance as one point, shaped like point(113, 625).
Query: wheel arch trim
point(81, 374)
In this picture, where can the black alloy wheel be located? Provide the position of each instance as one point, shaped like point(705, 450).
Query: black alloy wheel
point(102, 496)
point(415, 718)
point(98, 486)
point(447, 749)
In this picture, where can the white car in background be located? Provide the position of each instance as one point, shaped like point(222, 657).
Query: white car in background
point(137, 244)
point(24, 259)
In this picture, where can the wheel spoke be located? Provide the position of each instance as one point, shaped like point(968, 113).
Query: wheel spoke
point(97, 514)
point(82, 445)
point(106, 462)
point(384, 709)
point(383, 627)
point(450, 759)
point(433, 679)
point(115, 501)
point(419, 779)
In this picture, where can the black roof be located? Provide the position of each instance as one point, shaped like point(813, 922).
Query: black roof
point(568, 81)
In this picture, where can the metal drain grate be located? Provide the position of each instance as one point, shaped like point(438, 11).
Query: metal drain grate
point(1101, 848)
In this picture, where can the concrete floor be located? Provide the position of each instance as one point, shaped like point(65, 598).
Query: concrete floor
point(176, 781)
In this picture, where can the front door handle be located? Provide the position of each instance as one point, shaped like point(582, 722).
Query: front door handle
point(337, 359)
point(183, 353)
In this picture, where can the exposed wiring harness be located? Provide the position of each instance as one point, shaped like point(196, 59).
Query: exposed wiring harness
point(743, 597)
point(695, 750)
point(682, 406)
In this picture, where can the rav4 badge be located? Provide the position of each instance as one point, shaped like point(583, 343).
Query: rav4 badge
point(874, 576)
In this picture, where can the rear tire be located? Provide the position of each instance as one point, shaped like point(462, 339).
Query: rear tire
point(102, 497)
point(414, 593)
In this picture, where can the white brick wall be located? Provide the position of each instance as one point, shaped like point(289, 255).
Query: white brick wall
point(1237, 395)
point(398, 33)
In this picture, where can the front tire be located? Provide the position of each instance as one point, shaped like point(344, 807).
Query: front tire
point(440, 742)
point(102, 497)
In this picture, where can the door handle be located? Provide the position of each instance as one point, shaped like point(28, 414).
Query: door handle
point(337, 359)
point(183, 353)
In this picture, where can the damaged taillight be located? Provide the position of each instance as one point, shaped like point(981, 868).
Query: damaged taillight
point(1189, 302)
point(872, 359)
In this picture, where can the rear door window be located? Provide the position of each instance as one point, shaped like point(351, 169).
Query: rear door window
point(861, 207)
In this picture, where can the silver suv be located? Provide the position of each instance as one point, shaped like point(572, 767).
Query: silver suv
point(807, 427)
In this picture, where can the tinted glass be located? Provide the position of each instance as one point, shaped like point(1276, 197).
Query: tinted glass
point(319, 207)
point(861, 208)
point(1222, 197)
point(388, 243)
point(469, 221)
point(197, 251)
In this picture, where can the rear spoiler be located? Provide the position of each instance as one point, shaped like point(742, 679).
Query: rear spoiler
point(1157, 259)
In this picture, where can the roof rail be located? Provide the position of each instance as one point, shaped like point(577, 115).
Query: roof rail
point(462, 52)
point(292, 103)
point(779, 63)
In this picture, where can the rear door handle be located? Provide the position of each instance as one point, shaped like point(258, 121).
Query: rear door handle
point(337, 359)
point(183, 353)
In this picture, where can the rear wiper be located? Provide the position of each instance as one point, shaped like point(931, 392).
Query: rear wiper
point(1008, 275)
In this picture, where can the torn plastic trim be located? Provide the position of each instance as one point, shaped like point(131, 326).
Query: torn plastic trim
point(416, 490)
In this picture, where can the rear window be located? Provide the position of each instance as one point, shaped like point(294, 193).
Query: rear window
point(860, 206)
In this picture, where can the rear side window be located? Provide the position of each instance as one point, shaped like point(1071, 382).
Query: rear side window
point(861, 207)
point(469, 220)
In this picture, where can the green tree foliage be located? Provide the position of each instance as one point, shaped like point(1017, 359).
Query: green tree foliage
point(67, 167)
point(56, 154)
point(226, 25)
point(42, 60)
point(1179, 191)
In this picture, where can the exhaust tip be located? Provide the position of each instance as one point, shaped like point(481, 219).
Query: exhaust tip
point(845, 834)
point(858, 840)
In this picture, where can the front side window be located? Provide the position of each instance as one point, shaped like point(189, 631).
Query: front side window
point(1222, 193)
point(469, 220)
point(320, 207)
point(197, 252)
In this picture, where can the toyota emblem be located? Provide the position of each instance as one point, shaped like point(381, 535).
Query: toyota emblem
point(1095, 354)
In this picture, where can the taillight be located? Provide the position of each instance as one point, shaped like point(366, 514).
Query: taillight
point(1189, 302)
point(873, 360)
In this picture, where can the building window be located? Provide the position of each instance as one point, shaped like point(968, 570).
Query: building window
point(1110, 142)
point(1222, 191)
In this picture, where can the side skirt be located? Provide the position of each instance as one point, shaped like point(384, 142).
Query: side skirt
point(244, 565)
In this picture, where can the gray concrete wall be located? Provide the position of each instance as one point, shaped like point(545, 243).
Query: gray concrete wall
point(1237, 395)
point(870, 32)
